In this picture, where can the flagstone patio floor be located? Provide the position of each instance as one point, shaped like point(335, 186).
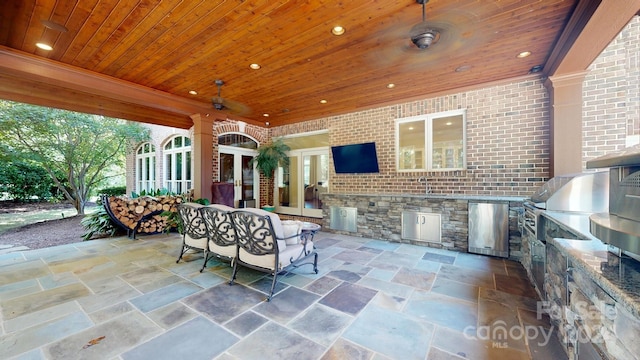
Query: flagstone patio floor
point(129, 299)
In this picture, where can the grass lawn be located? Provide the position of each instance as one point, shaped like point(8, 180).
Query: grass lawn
point(13, 220)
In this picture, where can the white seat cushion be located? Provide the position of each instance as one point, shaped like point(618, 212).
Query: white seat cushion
point(229, 251)
point(188, 240)
point(196, 243)
point(292, 252)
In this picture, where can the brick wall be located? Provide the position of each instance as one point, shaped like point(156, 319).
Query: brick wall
point(507, 141)
point(257, 133)
point(611, 95)
point(507, 130)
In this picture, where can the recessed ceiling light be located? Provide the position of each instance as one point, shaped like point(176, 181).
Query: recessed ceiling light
point(265, 115)
point(523, 54)
point(193, 92)
point(44, 46)
point(323, 101)
point(255, 66)
point(391, 86)
point(448, 123)
point(338, 30)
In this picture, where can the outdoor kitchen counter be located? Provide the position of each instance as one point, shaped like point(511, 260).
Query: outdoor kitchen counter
point(619, 277)
point(436, 196)
point(380, 216)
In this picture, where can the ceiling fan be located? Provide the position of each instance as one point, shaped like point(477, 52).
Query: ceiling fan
point(222, 104)
point(423, 35)
point(449, 32)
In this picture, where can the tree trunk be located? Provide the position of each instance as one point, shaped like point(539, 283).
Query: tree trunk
point(270, 191)
point(79, 204)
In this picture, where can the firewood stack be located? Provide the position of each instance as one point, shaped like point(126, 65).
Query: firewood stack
point(143, 212)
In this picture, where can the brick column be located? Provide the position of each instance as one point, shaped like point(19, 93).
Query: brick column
point(565, 123)
point(202, 153)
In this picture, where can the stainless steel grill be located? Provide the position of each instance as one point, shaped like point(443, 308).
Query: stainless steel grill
point(585, 193)
point(620, 226)
point(530, 218)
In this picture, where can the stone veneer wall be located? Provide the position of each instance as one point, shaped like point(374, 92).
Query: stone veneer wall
point(584, 314)
point(379, 217)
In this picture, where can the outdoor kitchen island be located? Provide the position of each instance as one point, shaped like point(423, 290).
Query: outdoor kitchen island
point(592, 292)
point(445, 216)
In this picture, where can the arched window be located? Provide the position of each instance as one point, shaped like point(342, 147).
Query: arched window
point(177, 165)
point(146, 167)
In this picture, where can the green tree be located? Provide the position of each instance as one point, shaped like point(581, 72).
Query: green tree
point(81, 146)
point(22, 181)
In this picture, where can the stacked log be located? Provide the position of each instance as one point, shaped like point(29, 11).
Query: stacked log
point(143, 213)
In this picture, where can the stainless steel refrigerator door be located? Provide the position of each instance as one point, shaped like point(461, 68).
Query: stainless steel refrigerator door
point(489, 228)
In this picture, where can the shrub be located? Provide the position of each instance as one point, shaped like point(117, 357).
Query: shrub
point(99, 223)
point(24, 181)
point(113, 191)
point(153, 193)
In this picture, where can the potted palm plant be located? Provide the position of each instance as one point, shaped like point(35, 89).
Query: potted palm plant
point(270, 156)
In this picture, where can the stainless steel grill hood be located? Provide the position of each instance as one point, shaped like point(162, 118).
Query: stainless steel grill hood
point(620, 226)
point(583, 192)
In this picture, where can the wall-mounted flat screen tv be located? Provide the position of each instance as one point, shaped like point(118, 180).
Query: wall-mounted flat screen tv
point(355, 158)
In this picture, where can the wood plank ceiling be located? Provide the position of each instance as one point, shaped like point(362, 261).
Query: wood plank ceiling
point(174, 47)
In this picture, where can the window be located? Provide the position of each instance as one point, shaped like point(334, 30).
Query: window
point(177, 165)
point(432, 142)
point(146, 167)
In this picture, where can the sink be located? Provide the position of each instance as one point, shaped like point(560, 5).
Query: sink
point(443, 196)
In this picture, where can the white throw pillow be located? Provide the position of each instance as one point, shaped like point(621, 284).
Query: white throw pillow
point(291, 228)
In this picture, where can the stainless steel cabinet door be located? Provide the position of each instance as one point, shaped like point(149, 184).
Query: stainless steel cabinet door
point(421, 226)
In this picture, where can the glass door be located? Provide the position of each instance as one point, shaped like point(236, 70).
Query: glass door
point(298, 186)
point(235, 169)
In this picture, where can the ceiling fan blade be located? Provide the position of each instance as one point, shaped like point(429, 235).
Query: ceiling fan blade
point(457, 37)
point(230, 106)
point(236, 108)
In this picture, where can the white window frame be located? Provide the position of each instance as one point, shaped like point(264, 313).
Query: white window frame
point(299, 154)
point(145, 175)
point(427, 162)
point(170, 177)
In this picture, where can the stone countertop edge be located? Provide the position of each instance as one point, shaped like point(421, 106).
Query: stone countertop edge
point(443, 196)
point(588, 255)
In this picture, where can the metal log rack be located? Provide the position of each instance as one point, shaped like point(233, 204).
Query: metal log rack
point(131, 233)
